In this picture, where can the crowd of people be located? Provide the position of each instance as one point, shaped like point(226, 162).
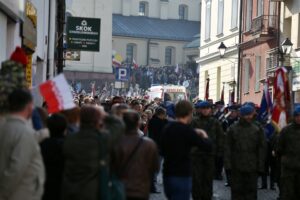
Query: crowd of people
point(76, 153)
point(113, 149)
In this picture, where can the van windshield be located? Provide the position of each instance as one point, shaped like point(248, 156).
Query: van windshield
point(177, 96)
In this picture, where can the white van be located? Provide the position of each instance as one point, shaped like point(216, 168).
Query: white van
point(176, 92)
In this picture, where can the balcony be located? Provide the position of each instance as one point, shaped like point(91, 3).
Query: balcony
point(264, 27)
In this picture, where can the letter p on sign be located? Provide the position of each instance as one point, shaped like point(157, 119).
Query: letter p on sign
point(122, 74)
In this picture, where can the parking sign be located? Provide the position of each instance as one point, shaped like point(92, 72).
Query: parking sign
point(122, 74)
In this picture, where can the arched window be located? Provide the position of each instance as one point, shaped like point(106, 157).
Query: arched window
point(130, 52)
point(143, 8)
point(183, 11)
point(169, 55)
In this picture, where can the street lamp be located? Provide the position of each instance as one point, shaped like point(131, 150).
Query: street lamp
point(286, 46)
point(222, 48)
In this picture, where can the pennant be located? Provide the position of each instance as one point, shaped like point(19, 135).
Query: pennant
point(222, 94)
point(57, 94)
point(177, 69)
point(117, 60)
point(281, 98)
point(135, 65)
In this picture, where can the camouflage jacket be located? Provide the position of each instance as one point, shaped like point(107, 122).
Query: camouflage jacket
point(214, 131)
point(289, 147)
point(245, 147)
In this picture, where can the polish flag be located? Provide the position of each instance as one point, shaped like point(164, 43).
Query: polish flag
point(57, 94)
point(135, 65)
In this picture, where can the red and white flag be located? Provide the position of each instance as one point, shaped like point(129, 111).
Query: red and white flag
point(57, 94)
point(281, 98)
point(135, 65)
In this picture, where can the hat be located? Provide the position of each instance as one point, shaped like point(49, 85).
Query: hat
point(220, 103)
point(246, 110)
point(249, 104)
point(203, 104)
point(234, 107)
point(297, 111)
point(19, 56)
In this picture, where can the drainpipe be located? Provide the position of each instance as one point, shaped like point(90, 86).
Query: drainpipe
point(51, 39)
point(148, 51)
point(239, 92)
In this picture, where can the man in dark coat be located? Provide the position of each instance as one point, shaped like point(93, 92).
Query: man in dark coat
point(52, 152)
point(203, 163)
point(289, 152)
point(244, 155)
point(82, 154)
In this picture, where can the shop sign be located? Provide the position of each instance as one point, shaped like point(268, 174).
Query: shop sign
point(29, 71)
point(83, 33)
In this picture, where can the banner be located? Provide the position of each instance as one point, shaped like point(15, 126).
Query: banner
point(281, 98)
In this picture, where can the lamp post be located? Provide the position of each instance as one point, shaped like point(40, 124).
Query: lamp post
point(222, 49)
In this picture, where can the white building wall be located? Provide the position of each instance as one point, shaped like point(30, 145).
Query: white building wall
point(209, 54)
point(94, 61)
point(131, 7)
point(120, 43)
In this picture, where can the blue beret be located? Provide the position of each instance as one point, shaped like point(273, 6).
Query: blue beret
point(246, 110)
point(249, 103)
point(203, 104)
point(297, 111)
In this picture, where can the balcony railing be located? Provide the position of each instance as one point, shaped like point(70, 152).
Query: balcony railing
point(264, 24)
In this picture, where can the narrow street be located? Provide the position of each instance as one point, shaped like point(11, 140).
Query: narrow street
point(220, 192)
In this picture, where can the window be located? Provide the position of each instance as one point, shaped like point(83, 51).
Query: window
point(257, 73)
point(249, 14)
point(183, 12)
point(130, 51)
point(246, 75)
point(260, 7)
point(143, 9)
point(207, 19)
point(234, 14)
point(220, 16)
point(169, 55)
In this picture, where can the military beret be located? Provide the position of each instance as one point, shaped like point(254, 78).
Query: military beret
point(246, 110)
point(297, 111)
point(203, 104)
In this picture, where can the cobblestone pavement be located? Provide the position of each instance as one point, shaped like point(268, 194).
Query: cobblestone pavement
point(220, 192)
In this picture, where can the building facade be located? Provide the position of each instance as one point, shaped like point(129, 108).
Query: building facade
point(217, 28)
point(260, 38)
point(156, 31)
point(85, 65)
point(25, 23)
point(11, 17)
point(290, 26)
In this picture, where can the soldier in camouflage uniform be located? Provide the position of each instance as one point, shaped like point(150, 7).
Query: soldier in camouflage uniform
point(244, 155)
point(230, 120)
point(289, 151)
point(203, 164)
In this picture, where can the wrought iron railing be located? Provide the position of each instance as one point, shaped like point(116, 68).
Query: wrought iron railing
point(264, 24)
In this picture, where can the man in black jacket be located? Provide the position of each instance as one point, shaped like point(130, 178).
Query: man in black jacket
point(155, 127)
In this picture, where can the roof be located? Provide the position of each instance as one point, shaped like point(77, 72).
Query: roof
point(154, 28)
point(194, 44)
